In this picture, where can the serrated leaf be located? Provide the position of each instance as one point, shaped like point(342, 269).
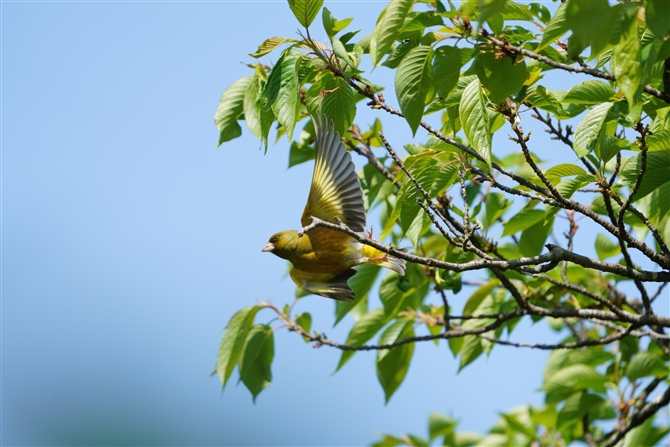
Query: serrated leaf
point(338, 103)
point(269, 45)
point(646, 364)
point(573, 378)
point(362, 331)
point(532, 239)
point(471, 349)
point(328, 22)
point(255, 363)
point(230, 108)
point(589, 92)
point(446, 69)
point(233, 341)
point(282, 90)
point(501, 76)
point(610, 146)
point(414, 84)
point(657, 13)
point(472, 110)
point(605, 247)
point(659, 141)
point(252, 106)
point(586, 31)
point(589, 128)
point(392, 364)
point(523, 220)
point(557, 26)
point(626, 62)
point(361, 285)
point(563, 170)
point(496, 205)
point(655, 176)
point(389, 23)
point(305, 10)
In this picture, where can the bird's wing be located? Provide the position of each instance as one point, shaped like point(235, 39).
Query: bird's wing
point(330, 285)
point(336, 190)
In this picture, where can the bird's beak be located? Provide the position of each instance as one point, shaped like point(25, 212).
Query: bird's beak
point(268, 247)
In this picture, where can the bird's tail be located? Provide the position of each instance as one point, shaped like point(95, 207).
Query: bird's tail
point(378, 257)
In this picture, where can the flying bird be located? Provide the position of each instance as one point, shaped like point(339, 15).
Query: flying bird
point(323, 258)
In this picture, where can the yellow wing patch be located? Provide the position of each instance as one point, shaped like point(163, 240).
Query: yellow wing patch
point(336, 190)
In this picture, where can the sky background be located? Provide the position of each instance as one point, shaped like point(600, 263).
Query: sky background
point(129, 240)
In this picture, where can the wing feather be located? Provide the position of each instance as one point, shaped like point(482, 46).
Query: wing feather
point(336, 190)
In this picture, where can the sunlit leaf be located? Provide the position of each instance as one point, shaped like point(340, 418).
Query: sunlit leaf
point(255, 363)
point(475, 121)
point(388, 24)
point(233, 341)
point(305, 10)
point(392, 364)
point(414, 84)
point(230, 108)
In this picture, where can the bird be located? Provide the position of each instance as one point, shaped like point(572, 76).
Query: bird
point(322, 258)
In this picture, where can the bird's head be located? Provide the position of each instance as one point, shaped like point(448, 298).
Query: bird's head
point(282, 243)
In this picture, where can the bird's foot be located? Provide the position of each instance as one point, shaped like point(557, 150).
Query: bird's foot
point(370, 232)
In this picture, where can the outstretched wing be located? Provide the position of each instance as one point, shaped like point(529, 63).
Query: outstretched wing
point(336, 190)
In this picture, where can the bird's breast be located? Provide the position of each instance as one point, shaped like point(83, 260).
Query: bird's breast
point(322, 250)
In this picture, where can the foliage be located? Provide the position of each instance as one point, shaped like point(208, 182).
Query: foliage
point(465, 207)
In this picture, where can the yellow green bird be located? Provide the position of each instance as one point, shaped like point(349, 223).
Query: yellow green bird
point(323, 258)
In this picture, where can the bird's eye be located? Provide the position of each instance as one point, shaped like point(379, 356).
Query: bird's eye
point(274, 239)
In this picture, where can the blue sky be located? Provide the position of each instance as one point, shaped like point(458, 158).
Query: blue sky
point(128, 241)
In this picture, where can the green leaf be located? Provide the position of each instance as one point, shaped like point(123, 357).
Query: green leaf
point(230, 108)
point(233, 341)
point(557, 26)
point(414, 84)
point(657, 14)
point(576, 406)
point(573, 378)
point(471, 349)
point(475, 120)
point(252, 106)
point(338, 103)
point(269, 45)
point(255, 363)
point(532, 239)
point(626, 62)
point(362, 331)
point(655, 176)
point(589, 92)
point(305, 10)
point(361, 285)
point(496, 205)
point(645, 364)
point(392, 364)
point(587, 31)
point(439, 425)
point(659, 141)
point(446, 69)
point(610, 146)
point(589, 128)
point(555, 173)
point(389, 23)
point(605, 247)
point(305, 322)
point(282, 90)
point(501, 76)
point(523, 220)
point(328, 22)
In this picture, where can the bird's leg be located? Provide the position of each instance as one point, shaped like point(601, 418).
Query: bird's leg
point(370, 232)
point(383, 258)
